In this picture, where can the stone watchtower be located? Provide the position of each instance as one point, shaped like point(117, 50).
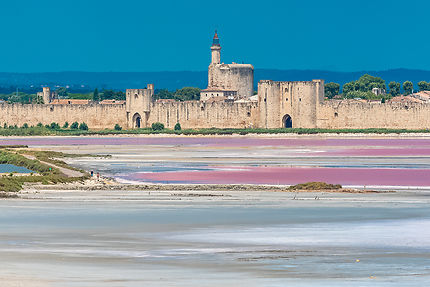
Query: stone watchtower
point(138, 106)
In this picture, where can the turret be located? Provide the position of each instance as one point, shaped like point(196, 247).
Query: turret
point(216, 50)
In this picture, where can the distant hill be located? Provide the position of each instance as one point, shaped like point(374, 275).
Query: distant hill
point(174, 80)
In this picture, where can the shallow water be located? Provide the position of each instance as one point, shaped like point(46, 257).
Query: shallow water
point(256, 239)
point(350, 161)
point(247, 160)
point(6, 168)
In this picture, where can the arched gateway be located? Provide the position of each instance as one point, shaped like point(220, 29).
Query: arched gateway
point(137, 121)
point(287, 122)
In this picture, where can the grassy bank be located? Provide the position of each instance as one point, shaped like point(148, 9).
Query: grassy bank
point(44, 131)
point(43, 173)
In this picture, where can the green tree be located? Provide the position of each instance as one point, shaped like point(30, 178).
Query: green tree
point(157, 126)
point(347, 88)
point(394, 88)
point(178, 127)
point(117, 127)
point(367, 82)
point(363, 95)
point(66, 125)
point(164, 94)
point(74, 126)
point(112, 95)
point(188, 94)
point(96, 96)
point(54, 126)
point(364, 84)
point(62, 92)
point(408, 87)
point(331, 89)
point(424, 86)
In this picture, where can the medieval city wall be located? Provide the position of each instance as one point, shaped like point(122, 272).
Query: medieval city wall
point(339, 115)
point(197, 114)
point(96, 116)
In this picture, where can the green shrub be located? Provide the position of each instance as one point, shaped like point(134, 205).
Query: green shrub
point(54, 126)
point(74, 126)
point(178, 127)
point(39, 125)
point(5, 126)
point(157, 126)
point(66, 125)
point(25, 126)
point(314, 186)
point(117, 127)
point(83, 126)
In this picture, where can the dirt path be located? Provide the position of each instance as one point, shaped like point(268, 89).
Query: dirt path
point(67, 172)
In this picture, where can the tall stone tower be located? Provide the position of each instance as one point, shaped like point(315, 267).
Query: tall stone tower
point(231, 81)
point(216, 50)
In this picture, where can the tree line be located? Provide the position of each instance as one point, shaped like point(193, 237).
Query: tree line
point(362, 88)
point(184, 94)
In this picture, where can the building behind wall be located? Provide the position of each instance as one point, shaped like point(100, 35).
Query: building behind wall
point(47, 95)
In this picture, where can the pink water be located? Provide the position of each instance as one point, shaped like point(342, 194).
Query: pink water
point(294, 175)
point(251, 159)
point(215, 141)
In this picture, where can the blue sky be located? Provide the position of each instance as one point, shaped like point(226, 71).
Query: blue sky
point(161, 35)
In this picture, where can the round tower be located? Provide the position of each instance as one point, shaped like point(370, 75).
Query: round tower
point(216, 50)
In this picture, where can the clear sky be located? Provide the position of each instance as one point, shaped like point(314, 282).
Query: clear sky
point(162, 35)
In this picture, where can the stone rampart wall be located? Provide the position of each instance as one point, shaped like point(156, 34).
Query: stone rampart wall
point(336, 115)
point(96, 116)
point(196, 114)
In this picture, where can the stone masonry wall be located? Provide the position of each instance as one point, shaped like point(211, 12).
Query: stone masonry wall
point(336, 115)
point(96, 116)
point(196, 114)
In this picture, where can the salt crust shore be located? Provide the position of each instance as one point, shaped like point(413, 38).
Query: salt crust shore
point(105, 184)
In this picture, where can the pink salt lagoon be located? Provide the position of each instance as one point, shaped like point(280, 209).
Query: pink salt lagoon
point(294, 175)
point(382, 161)
point(219, 141)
